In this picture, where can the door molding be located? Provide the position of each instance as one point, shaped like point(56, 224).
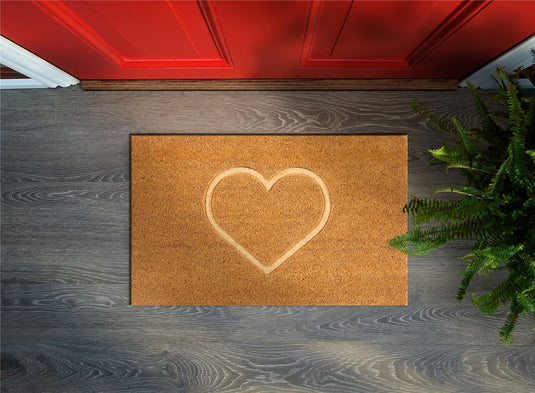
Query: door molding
point(27, 63)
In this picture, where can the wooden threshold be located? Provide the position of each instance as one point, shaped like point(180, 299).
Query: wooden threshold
point(269, 84)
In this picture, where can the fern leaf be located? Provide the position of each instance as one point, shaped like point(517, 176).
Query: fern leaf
point(467, 143)
point(468, 274)
point(526, 301)
point(431, 118)
point(506, 332)
point(490, 131)
point(490, 302)
point(467, 208)
point(413, 243)
point(442, 154)
point(463, 190)
point(465, 282)
point(518, 144)
point(497, 180)
point(491, 258)
point(466, 165)
point(530, 120)
point(468, 229)
point(499, 80)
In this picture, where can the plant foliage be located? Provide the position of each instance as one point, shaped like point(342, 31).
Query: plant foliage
point(496, 209)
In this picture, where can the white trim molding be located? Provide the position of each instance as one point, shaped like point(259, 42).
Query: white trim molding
point(20, 83)
point(518, 56)
point(25, 62)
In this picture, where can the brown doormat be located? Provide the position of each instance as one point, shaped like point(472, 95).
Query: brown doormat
point(267, 220)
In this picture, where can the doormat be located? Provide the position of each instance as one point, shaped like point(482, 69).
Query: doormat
point(267, 220)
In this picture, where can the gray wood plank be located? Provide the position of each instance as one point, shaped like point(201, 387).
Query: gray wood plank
point(66, 322)
point(148, 364)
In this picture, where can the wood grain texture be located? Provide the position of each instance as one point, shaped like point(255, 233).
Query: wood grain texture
point(8, 73)
point(66, 321)
point(269, 84)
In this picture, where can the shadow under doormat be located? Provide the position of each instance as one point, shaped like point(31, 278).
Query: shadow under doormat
point(267, 220)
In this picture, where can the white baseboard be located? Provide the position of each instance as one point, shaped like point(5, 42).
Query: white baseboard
point(39, 70)
point(21, 84)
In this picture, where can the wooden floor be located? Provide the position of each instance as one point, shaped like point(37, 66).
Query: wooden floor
point(66, 321)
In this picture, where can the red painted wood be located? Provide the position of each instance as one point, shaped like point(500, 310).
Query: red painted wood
point(359, 34)
point(267, 39)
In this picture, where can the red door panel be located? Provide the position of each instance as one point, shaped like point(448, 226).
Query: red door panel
point(497, 27)
point(134, 37)
point(264, 37)
point(127, 35)
point(359, 34)
point(267, 39)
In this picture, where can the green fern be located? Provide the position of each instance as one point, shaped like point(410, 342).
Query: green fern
point(507, 330)
point(425, 210)
point(490, 302)
point(497, 206)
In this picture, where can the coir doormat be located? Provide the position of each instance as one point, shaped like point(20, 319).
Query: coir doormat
point(267, 220)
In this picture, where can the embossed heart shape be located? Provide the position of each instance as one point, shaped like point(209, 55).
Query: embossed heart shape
point(268, 184)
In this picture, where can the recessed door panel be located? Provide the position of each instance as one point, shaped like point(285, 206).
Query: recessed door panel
point(389, 34)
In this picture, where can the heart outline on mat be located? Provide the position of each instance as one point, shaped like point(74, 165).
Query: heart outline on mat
point(268, 184)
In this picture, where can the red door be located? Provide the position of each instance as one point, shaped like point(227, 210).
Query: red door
point(267, 39)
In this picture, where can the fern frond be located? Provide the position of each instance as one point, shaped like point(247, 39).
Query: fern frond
point(413, 243)
point(491, 258)
point(463, 190)
point(526, 301)
point(468, 274)
point(465, 282)
point(432, 119)
point(498, 78)
point(517, 148)
point(506, 332)
point(490, 302)
point(498, 179)
point(443, 154)
point(468, 229)
point(466, 165)
point(528, 264)
point(471, 152)
point(530, 132)
point(425, 210)
point(490, 130)
point(521, 181)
